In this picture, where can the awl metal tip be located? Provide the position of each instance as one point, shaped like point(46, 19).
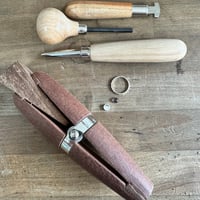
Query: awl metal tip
point(46, 54)
point(83, 52)
point(62, 53)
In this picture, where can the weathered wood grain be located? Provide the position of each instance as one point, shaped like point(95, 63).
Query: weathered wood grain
point(136, 131)
point(157, 121)
point(174, 173)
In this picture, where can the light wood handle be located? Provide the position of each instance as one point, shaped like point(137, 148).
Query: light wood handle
point(155, 50)
point(98, 9)
point(53, 26)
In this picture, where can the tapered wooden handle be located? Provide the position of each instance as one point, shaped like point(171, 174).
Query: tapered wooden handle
point(98, 9)
point(154, 50)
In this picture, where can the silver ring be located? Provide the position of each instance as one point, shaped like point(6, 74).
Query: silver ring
point(127, 87)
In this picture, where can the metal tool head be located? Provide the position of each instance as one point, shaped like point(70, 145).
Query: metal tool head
point(155, 10)
point(62, 53)
point(146, 10)
point(83, 52)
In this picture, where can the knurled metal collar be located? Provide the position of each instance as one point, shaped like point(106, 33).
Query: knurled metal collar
point(82, 28)
point(147, 10)
point(85, 52)
point(75, 133)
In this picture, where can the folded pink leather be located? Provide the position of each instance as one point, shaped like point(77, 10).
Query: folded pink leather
point(97, 150)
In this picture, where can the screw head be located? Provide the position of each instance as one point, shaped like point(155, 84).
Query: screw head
point(74, 134)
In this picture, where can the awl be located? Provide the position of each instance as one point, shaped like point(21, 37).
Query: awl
point(152, 50)
point(54, 27)
point(105, 9)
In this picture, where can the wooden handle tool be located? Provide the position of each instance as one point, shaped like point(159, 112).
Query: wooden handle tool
point(153, 50)
point(105, 9)
point(54, 27)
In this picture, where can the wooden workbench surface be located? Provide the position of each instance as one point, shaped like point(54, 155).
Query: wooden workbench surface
point(157, 122)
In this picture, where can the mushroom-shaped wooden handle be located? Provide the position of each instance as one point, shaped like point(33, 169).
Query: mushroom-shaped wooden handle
point(54, 27)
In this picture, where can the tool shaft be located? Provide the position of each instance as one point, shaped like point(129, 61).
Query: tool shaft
point(115, 30)
point(54, 27)
point(83, 52)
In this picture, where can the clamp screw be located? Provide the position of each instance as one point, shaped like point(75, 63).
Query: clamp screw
point(74, 134)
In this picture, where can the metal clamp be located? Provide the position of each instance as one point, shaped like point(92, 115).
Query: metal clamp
point(75, 133)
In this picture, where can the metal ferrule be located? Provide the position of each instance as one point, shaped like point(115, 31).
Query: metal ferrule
point(140, 9)
point(85, 52)
point(82, 29)
point(146, 10)
point(75, 133)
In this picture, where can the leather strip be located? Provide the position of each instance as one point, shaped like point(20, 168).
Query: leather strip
point(109, 149)
point(39, 120)
point(77, 152)
point(101, 139)
point(63, 99)
point(97, 169)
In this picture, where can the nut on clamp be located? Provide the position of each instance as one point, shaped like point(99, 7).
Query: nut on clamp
point(75, 133)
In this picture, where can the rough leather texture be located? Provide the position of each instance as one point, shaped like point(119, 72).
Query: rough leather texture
point(77, 152)
point(39, 120)
point(63, 99)
point(97, 169)
point(18, 79)
point(139, 186)
point(109, 162)
point(109, 148)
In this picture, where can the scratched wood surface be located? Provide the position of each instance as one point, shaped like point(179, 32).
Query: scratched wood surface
point(157, 122)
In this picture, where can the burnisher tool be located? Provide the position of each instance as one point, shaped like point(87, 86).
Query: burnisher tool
point(54, 27)
point(153, 50)
point(105, 9)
